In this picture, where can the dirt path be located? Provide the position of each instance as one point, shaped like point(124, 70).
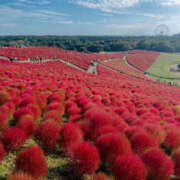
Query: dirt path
point(72, 65)
point(133, 67)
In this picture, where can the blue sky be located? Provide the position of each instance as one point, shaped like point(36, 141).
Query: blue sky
point(87, 17)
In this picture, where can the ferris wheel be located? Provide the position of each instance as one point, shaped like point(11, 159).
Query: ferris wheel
point(162, 30)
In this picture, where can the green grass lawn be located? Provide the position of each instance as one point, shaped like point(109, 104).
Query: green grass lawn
point(160, 69)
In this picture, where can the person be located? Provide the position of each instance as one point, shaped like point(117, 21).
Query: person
point(11, 59)
point(92, 63)
point(41, 58)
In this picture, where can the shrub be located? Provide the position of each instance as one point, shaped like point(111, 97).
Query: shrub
point(172, 140)
point(97, 120)
point(85, 159)
point(106, 130)
point(158, 164)
point(74, 110)
point(128, 167)
point(52, 115)
point(56, 106)
point(3, 120)
point(75, 118)
point(99, 176)
point(13, 138)
point(48, 134)
point(35, 110)
point(11, 108)
point(21, 112)
point(1, 152)
point(176, 159)
point(20, 176)
point(27, 124)
point(156, 132)
point(56, 97)
point(28, 99)
point(141, 142)
point(4, 97)
point(31, 161)
point(110, 146)
point(70, 134)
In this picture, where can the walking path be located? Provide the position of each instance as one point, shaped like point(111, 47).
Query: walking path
point(72, 65)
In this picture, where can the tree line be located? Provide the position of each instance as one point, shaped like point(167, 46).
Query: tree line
point(97, 43)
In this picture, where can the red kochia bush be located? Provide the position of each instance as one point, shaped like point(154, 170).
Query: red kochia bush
point(110, 146)
point(27, 100)
point(27, 124)
point(106, 130)
point(100, 176)
point(48, 133)
point(141, 142)
point(176, 159)
point(4, 97)
point(20, 176)
point(159, 166)
point(21, 112)
point(35, 110)
point(31, 161)
point(1, 152)
point(3, 119)
point(52, 115)
point(85, 159)
point(97, 120)
point(157, 132)
point(56, 106)
point(74, 110)
point(129, 167)
point(70, 134)
point(172, 140)
point(13, 138)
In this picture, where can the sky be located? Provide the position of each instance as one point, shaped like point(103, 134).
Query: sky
point(88, 17)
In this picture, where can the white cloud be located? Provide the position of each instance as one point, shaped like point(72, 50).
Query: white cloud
point(35, 2)
point(170, 2)
point(9, 14)
point(116, 6)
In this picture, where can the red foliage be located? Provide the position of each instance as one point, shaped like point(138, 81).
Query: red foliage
point(85, 159)
point(20, 176)
point(56, 106)
point(3, 119)
point(27, 100)
point(157, 132)
point(48, 134)
point(100, 176)
point(32, 162)
point(142, 59)
point(106, 130)
point(73, 110)
point(1, 152)
point(158, 164)
point(35, 110)
point(110, 146)
point(52, 115)
point(4, 97)
point(21, 112)
point(75, 118)
point(57, 97)
point(27, 124)
point(70, 135)
point(172, 140)
point(98, 119)
point(128, 167)
point(140, 142)
point(176, 159)
point(13, 138)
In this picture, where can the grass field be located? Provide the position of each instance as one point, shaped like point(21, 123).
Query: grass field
point(160, 69)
